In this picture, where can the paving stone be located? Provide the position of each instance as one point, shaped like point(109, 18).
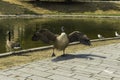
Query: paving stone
point(83, 77)
point(19, 74)
point(102, 77)
point(36, 78)
point(111, 66)
point(87, 70)
point(116, 78)
point(37, 68)
point(98, 68)
point(109, 74)
point(19, 78)
point(6, 78)
point(34, 72)
point(99, 63)
point(61, 72)
point(117, 72)
point(7, 73)
point(83, 73)
point(59, 77)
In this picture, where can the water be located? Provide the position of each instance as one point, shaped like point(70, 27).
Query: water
point(23, 29)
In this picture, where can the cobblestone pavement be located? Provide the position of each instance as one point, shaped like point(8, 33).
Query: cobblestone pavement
point(99, 63)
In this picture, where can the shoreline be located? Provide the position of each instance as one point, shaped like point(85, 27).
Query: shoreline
point(58, 16)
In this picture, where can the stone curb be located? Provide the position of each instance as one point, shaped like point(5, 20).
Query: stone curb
point(58, 16)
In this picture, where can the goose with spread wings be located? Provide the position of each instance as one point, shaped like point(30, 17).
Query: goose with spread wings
point(61, 41)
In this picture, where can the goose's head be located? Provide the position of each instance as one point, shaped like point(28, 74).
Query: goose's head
point(8, 32)
point(62, 28)
point(78, 36)
point(85, 40)
point(44, 34)
point(40, 34)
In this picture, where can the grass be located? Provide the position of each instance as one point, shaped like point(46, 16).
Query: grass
point(16, 60)
point(28, 6)
point(87, 8)
point(7, 8)
point(92, 8)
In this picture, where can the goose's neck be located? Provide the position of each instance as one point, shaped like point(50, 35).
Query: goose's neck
point(62, 28)
point(9, 36)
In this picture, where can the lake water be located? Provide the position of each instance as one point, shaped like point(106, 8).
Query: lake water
point(23, 29)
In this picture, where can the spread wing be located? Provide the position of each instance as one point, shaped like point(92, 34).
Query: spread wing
point(78, 36)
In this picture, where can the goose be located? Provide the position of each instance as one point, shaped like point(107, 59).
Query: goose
point(100, 36)
point(116, 34)
point(61, 41)
point(10, 44)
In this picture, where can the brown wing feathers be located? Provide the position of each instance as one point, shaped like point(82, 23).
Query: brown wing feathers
point(47, 36)
point(78, 36)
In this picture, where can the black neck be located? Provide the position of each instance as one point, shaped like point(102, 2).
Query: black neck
point(9, 36)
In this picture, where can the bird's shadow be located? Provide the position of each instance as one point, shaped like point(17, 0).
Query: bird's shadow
point(72, 56)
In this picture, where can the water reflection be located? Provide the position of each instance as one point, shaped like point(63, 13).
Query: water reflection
point(23, 29)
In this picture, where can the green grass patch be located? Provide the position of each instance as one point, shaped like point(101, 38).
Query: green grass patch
point(59, 8)
point(7, 8)
point(88, 8)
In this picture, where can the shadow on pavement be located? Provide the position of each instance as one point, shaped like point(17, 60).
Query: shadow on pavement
point(72, 56)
